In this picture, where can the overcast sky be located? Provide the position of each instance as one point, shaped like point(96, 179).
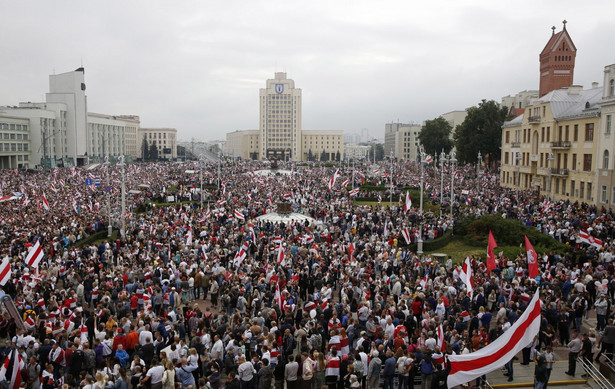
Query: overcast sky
point(198, 65)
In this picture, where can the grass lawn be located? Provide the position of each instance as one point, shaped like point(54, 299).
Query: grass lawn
point(459, 250)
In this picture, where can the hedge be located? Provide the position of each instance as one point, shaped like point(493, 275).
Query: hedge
point(434, 244)
point(97, 236)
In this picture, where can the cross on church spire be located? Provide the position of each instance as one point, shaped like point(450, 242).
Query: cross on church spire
point(564, 22)
point(553, 30)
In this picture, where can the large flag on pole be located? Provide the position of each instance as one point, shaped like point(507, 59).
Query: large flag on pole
point(491, 245)
point(467, 367)
point(532, 258)
point(333, 179)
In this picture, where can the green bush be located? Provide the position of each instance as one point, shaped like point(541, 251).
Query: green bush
point(96, 238)
point(506, 232)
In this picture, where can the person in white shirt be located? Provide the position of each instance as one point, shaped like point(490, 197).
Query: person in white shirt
point(217, 350)
point(245, 371)
point(146, 334)
point(154, 376)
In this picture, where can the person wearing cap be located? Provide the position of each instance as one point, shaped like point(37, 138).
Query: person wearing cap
point(601, 306)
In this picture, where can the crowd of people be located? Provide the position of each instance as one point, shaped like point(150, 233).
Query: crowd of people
point(216, 297)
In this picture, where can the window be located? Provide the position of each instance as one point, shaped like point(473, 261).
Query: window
point(564, 187)
point(605, 159)
point(574, 162)
point(587, 162)
point(548, 133)
point(575, 134)
point(572, 188)
point(567, 133)
point(589, 191)
point(542, 135)
point(589, 132)
point(557, 186)
point(611, 87)
point(581, 190)
point(607, 131)
point(603, 194)
point(508, 136)
point(613, 195)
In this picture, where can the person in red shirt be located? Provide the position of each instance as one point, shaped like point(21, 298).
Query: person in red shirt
point(134, 304)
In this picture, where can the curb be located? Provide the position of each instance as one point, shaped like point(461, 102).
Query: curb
point(531, 384)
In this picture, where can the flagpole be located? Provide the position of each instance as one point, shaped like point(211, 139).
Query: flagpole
point(419, 246)
point(391, 192)
point(442, 162)
point(122, 165)
point(110, 227)
point(453, 161)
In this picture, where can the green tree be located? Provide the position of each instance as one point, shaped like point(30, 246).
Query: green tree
point(324, 156)
point(436, 135)
point(481, 131)
point(153, 152)
point(337, 156)
point(379, 150)
point(310, 156)
point(144, 150)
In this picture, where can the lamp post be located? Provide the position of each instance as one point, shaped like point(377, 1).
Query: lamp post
point(550, 163)
point(518, 159)
point(109, 227)
point(419, 246)
point(453, 161)
point(219, 162)
point(122, 166)
point(478, 161)
point(391, 177)
point(201, 179)
point(442, 162)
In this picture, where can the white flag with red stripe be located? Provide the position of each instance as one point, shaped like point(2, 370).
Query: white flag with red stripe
point(239, 215)
point(408, 202)
point(281, 255)
point(11, 369)
point(406, 234)
point(467, 367)
point(45, 203)
point(278, 296)
point(440, 338)
point(333, 179)
point(587, 238)
point(35, 255)
point(5, 271)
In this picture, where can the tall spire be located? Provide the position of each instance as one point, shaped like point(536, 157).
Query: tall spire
point(564, 23)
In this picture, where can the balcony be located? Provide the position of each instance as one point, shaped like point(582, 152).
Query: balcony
point(515, 144)
point(561, 145)
point(559, 172)
point(533, 119)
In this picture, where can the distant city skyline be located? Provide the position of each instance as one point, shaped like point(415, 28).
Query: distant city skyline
point(198, 67)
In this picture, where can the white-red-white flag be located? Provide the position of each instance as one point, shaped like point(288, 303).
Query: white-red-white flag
point(532, 258)
point(354, 192)
point(467, 367)
point(45, 203)
point(440, 337)
point(346, 183)
point(406, 234)
point(466, 276)
point(281, 255)
point(239, 215)
point(11, 369)
point(333, 179)
point(278, 296)
point(5, 271)
point(408, 202)
point(35, 255)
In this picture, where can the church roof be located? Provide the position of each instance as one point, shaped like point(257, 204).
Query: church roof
point(556, 40)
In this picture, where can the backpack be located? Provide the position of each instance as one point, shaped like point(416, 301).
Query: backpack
point(426, 367)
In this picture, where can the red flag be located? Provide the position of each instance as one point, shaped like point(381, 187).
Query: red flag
point(532, 258)
point(491, 245)
point(350, 251)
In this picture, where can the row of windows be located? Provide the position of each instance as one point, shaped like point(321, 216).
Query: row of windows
point(545, 133)
point(15, 136)
point(523, 159)
point(13, 147)
point(563, 58)
point(13, 127)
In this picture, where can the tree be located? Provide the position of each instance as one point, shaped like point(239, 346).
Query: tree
point(144, 150)
point(338, 156)
point(324, 156)
point(153, 152)
point(436, 135)
point(481, 131)
point(310, 156)
point(379, 150)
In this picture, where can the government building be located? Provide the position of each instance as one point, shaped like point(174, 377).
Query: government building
point(280, 135)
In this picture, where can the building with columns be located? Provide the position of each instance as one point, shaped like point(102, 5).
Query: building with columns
point(280, 134)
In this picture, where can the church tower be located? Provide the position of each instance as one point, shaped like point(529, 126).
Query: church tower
point(557, 62)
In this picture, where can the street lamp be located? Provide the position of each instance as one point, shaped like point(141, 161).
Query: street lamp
point(478, 161)
point(442, 162)
point(550, 163)
point(453, 161)
point(109, 227)
point(419, 246)
point(122, 166)
point(201, 179)
point(391, 177)
point(518, 158)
